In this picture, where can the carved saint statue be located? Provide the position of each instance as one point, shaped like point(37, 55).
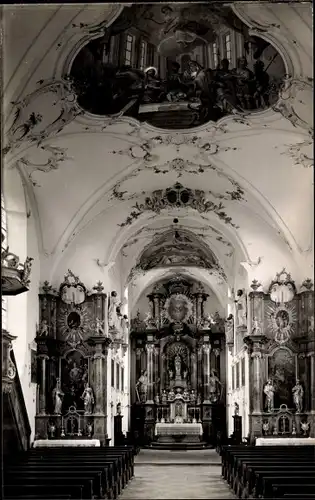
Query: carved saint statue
point(215, 387)
point(88, 398)
point(125, 328)
point(269, 391)
point(171, 374)
point(193, 396)
point(178, 365)
point(241, 308)
point(298, 393)
point(113, 319)
point(142, 387)
point(57, 398)
point(43, 329)
point(236, 408)
point(164, 397)
point(229, 329)
point(256, 326)
point(171, 395)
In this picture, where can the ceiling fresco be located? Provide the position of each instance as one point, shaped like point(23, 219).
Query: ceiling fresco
point(167, 76)
point(92, 133)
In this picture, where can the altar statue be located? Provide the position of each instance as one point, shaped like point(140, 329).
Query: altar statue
point(125, 328)
point(43, 329)
point(298, 393)
point(215, 387)
point(57, 398)
point(171, 374)
point(142, 387)
point(88, 398)
point(164, 397)
point(186, 395)
point(241, 308)
point(193, 396)
point(178, 365)
point(229, 329)
point(113, 319)
point(171, 395)
point(269, 391)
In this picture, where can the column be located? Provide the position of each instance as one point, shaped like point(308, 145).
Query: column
point(206, 372)
point(150, 371)
point(99, 309)
point(199, 367)
point(257, 378)
point(312, 382)
point(100, 346)
point(193, 361)
point(42, 358)
point(162, 370)
point(156, 376)
point(198, 305)
point(256, 312)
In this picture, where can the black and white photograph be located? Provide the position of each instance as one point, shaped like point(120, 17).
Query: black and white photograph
point(157, 258)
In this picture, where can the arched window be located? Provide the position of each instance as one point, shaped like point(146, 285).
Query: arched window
point(4, 313)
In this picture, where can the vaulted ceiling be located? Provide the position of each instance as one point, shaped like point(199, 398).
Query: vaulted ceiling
point(100, 188)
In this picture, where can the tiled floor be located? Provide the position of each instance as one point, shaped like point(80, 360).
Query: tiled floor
point(177, 475)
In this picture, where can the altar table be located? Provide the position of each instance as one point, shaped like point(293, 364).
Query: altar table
point(189, 429)
point(285, 441)
point(51, 443)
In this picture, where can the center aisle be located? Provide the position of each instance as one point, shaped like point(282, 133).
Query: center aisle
point(177, 475)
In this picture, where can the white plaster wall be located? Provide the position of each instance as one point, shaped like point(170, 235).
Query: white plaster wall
point(22, 315)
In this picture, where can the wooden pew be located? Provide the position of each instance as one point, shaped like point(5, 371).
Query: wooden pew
point(61, 476)
point(255, 474)
point(65, 460)
point(106, 470)
point(298, 488)
point(75, 492)
point(107, 485)
point(239, 463)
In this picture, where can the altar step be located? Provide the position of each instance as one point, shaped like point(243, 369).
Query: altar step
point(155, 445)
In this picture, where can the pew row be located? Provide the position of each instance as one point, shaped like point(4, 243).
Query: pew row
point(69, 473)
point(269, 471)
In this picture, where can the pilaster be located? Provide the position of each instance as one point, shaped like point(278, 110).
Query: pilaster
point(100, 345)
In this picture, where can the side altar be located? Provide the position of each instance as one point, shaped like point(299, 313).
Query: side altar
point(177, 368)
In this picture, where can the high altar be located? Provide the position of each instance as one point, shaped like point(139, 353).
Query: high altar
point(178, 367)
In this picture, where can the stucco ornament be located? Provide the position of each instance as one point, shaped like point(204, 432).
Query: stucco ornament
point(48, 158)
point(282, 289)
point(42, 113)
point(295, 102)
point(177, 197)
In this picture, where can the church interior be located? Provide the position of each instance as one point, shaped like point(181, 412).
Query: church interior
point(157, 252)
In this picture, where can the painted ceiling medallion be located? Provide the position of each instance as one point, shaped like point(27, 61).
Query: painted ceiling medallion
point(187, 93)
